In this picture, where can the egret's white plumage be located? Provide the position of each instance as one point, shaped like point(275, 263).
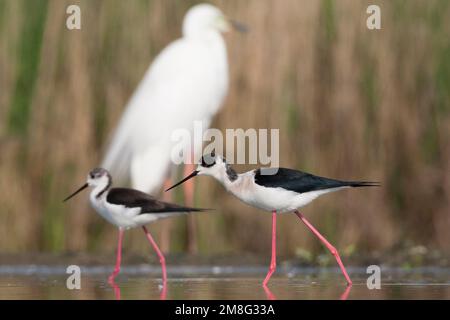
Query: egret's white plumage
point(187, 82)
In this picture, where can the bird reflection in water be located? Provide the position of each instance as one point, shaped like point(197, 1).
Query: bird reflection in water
point(271, 296)
point(116, 288)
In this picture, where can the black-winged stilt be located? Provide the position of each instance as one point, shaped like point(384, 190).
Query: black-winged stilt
point(283, 191)
point(128, 208)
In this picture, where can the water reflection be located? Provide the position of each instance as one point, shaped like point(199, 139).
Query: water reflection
point(115, 287)
point(344, 295)
point(301, 285)
point(269, 294)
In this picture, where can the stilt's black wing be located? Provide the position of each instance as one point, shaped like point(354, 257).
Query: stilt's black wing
point(131, 198)
point(301, 182)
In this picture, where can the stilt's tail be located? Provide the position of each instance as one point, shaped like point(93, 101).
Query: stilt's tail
point(356, 184)
point(173, 208)
point(188, 209)
point(180, 210)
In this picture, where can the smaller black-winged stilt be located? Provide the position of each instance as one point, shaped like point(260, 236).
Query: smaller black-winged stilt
point(278, 191)
point(128, 208)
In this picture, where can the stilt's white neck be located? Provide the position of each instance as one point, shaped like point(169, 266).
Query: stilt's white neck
point(101, 188)
point(227, 176)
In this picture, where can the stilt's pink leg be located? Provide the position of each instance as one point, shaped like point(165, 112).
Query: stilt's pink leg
point(332, 249)
point(166, 224)
point(162, 260)
point(189, 202)
point(273, 262)
point(118, 259)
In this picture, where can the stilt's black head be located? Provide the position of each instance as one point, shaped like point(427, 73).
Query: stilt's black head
point(212, 165)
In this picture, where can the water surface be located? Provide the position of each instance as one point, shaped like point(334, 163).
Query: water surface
point(215, 282)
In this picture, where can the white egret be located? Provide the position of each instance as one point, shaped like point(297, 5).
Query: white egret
point(186, 82)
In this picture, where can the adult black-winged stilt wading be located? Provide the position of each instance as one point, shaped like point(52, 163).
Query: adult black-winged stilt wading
point(278, 191)
point(128, 208)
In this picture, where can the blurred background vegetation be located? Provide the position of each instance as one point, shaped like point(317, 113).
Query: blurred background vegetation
point(350, 103)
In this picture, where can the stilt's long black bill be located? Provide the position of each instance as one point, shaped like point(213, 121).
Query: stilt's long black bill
point(73, 194)
point(238, 26)
point(193, 174)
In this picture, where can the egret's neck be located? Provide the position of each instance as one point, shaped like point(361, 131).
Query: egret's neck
point(207, 36)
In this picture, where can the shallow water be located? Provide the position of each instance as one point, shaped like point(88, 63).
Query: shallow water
point(215, 282)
